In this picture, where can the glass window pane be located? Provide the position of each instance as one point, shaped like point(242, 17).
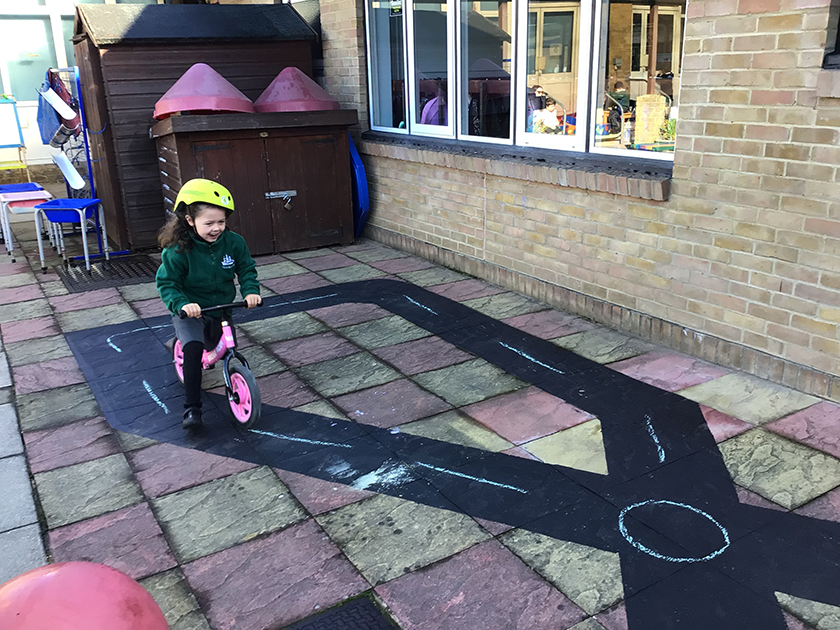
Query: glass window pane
point(552, 67)
point(29, 52)
point(486, 92)
point(387, 65)
point(67, 36)
point(136, 1)
point(431, 63)
point(639, 87)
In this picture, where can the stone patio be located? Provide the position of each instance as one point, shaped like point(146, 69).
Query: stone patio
point(222, 543)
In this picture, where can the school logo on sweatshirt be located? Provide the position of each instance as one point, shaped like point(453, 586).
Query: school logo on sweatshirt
point(227, 262)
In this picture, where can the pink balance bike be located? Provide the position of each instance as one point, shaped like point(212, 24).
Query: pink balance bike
point(240, 385)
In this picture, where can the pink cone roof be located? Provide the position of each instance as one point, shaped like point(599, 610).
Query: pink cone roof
point(202, 89)
point(293, 91)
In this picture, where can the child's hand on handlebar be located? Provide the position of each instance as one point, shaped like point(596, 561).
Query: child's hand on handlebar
point(192, 310)
point(252, 300)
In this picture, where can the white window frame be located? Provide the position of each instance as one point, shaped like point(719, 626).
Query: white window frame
point(372, 98)
point(576, 142)
point(447, 130)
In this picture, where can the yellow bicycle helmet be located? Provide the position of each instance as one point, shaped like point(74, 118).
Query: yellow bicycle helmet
point(204, 191)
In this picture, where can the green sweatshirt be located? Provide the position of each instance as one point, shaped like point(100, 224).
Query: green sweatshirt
point(205, 273)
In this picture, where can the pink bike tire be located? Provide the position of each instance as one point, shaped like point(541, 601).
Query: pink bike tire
point(178, 360)
point(247, 411)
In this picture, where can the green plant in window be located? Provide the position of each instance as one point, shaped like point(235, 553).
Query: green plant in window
point(669, 129)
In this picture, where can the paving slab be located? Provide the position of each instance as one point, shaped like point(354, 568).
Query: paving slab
point(295, 283)
point(383, 332)
point(29, 329)
point(385, 537)
point(37, 350)
point(456, 428)
point(10, 442)
point(129, 540)
point(282, 269)
point(17, 508)
point(590, 577)
point(422, 355)
point(5, 373)
point(580, 447)
point(274, 581)
point(24, 310)
point(468, 382)
point(86, 300)
point(603, 345)
point(21, 550)
point(176, 600)
point(81, 491)
point(216, 515)
point(282, 327)
point(80, 441)
point(526, 414)
point(55, 407)
point(96, 317)
point(162, 469)
point(352, 274)
point(669, 371)
point(136, 292)
point(329, 261)
point(433, 276)
point(503, 305)
point(486, 582)
point(390, 404)
point(37, 377)
point(549, 324)
point(749, 398)
point(785, 472)
point(312, 349)
point(817, 426)
point(347, 374)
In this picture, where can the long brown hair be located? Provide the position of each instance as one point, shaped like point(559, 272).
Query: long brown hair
point(176, 232)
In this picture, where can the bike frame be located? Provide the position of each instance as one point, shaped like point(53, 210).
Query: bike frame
point(225, 349)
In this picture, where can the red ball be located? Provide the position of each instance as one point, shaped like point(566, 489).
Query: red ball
point(77, 596)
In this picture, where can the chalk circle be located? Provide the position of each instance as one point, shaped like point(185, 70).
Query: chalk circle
point(656, 554)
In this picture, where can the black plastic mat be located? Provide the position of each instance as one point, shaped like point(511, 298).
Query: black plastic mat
point(359, 614)
point(117, 272)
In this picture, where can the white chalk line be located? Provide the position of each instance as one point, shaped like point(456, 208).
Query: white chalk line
point(128, 332)
point(160, 403)
point(656, 554)
point(530, 358)
point(281, 436)
point(471, 478)
point(423, 306)
point(659, 448)
point(320, 297)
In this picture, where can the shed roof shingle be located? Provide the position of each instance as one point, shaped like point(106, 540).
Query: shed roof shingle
point(108, 24)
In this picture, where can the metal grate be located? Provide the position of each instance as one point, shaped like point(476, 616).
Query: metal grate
point(117, 272)
point(358, 614)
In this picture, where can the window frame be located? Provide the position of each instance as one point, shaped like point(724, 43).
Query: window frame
point(592, 19)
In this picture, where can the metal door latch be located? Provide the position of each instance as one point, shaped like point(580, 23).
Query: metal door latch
point(285, 195)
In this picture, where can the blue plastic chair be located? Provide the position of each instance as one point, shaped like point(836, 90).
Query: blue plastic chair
point(75, 211)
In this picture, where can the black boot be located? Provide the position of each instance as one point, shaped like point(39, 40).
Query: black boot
point(192, 418)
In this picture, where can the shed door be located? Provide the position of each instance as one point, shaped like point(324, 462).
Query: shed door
point(318, 213)
point(240, 165)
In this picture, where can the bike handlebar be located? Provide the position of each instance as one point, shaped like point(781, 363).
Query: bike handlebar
point(220, 307)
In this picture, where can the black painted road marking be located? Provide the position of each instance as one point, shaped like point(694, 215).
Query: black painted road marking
point(692, 556)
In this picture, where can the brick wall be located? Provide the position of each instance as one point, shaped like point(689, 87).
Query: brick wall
point(343, 43)
point(743, 258)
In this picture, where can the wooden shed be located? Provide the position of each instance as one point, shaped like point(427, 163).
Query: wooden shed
point(130, 55)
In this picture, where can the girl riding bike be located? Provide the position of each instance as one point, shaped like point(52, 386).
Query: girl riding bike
point(199, 262)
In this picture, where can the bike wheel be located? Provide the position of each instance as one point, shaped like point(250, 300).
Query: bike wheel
point(247, 411)
point(178, 360)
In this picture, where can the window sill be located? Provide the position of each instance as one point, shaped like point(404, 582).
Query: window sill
point(828, 83)
point(629, 177)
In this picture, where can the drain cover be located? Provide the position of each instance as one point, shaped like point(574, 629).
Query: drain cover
point(117, 272)
point(359, 614)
